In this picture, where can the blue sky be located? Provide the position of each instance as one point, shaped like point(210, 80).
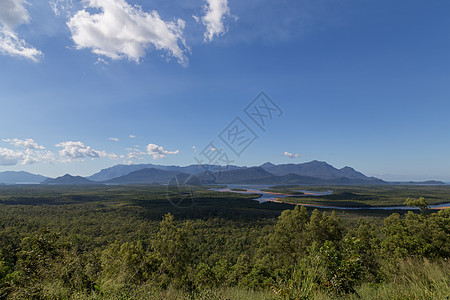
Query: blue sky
point(361, 83)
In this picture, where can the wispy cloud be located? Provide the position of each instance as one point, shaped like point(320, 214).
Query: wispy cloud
point(158, 152)
point(12, 14)
point(61, 6)
point(134, 153)
point(119, 30)
point(215, 12)
point(132, 136)
point(114, 139)
point(290, 155)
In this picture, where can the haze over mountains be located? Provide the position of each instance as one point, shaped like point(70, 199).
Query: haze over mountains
point(11, 177)
point(121, 170)
point(314, 172)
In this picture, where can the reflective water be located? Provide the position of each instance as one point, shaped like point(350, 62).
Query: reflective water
point(274, 197)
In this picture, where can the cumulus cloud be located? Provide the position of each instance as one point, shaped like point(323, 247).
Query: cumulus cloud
point(32, 156)
point(78, 151)
point(290, 155)
point(113, 139)
point(158, 152)
point(26, 143)
point(30, 152)
point(132, 136)
point(215, 13)
point(119, 30)
point(12, 14)
point(9, 157)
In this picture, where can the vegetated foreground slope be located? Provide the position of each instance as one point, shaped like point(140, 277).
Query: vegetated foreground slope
point(116, 242)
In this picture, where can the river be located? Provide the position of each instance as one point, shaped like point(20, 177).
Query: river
point(275, 197)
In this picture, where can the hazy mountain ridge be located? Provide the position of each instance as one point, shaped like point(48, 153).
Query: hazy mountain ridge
point(68, 180)
point(121, 170)
point(13, 177)
point(318, 169)
point(314, 172)
point(149, 176)
point(234, 176)
point(258, 175)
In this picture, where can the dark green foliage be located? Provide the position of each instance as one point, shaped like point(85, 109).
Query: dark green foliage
point(417, 235)
point(129, 243)
point(341, 266)
point(420, 203)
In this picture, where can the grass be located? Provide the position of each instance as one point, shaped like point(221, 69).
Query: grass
point(406, 279)
point(410, 279)
point(152, 293)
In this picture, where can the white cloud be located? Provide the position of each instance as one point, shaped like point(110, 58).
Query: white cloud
point(158, 152)
point(60, 6)
point(32, 156)
point(78, 151)
point(215, 13)
point(120, 30)
point(32, 153)
point(11, 45)
point(290, 155)
point(132, 136)
point(10, 157)
point(135, 153)
point(113, 139)
point(26, 143)
point(12, 14)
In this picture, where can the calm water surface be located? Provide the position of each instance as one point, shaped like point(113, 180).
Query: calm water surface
point(274, 197)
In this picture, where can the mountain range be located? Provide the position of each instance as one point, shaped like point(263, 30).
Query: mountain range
point(314, 172)
point(68, 180)
point(121, 170)
point(12, 177)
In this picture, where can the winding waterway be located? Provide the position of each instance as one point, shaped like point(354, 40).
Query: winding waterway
point(275, 197)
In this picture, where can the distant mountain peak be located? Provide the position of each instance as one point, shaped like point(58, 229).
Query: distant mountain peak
point(347, 168)
point(122, 170)
point(68, 179)
point(267, 164)
point(316, 169)
point(317, 162)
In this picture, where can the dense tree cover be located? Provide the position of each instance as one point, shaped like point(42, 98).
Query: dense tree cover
point(92, 250)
